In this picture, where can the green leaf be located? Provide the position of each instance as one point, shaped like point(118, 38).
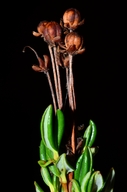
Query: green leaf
point(42, 150)
point(54, 170)
point(95, 182)
point(64, 167)
point(59, 126)
point(109, 183)
point(75, 186)
point(87, 135)
point(83, 165)
point(93, 134)
point(47, 130)
point(37, 187)
point(47, 178)
point(85, 182)
point(90, 134)
point(62, 163)
point(56, 183)
point(49, 154)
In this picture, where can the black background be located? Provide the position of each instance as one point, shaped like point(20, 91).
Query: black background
point(100, 84)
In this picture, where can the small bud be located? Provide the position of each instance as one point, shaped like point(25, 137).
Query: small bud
point(72, 19)
point(52, 33)
point(73, 42)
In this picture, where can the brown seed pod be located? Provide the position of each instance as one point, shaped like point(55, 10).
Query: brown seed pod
point(52, 33)
point(72, 19)
point(73, 43)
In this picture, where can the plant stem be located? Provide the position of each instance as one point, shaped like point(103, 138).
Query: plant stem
point(58, 78)
point(70, 83)
point(54, 74)
point(52, 92)
point(64, 186)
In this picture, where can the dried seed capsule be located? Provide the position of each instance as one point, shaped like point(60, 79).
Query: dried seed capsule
point(72, 19)
point(52, 33)
point(73, 43)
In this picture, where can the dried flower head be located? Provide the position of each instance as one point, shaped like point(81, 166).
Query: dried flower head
point(74, 43)
point(43, 64)
point(52, 33)
point(72, 19)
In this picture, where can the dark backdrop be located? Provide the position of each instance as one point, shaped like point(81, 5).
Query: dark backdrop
point(100, 84)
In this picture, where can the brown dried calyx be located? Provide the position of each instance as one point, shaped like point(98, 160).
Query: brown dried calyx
point(72, 19)
point(40, 28)
point(43, 64)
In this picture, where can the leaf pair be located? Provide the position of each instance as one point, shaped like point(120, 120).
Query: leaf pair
point(52, 131)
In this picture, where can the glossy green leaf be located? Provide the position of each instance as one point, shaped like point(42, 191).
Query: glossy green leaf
point(49, 154)
point(83, 165)
point(42, 121)
point(91, 159)
point(37, 187)
point(109, 183)
point(59, 126)
point(95, 182)
point(90, 134)
point(75, 186)
point(54, 170)
point(93, 134)
point(56, 183)
point(47, 130)
point(47, 178)
point(87, 135)
point(64, 167)
point(63, 164)
point(42, 151)
point(85, 182)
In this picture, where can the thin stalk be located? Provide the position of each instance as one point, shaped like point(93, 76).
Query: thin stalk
point(72, 102)
point(67, 72)
point(70, 83)
point(48, 77)
point(71, 78)
point(32, 50)
point(54, 74)
point(52, 92)
point(58, 78)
